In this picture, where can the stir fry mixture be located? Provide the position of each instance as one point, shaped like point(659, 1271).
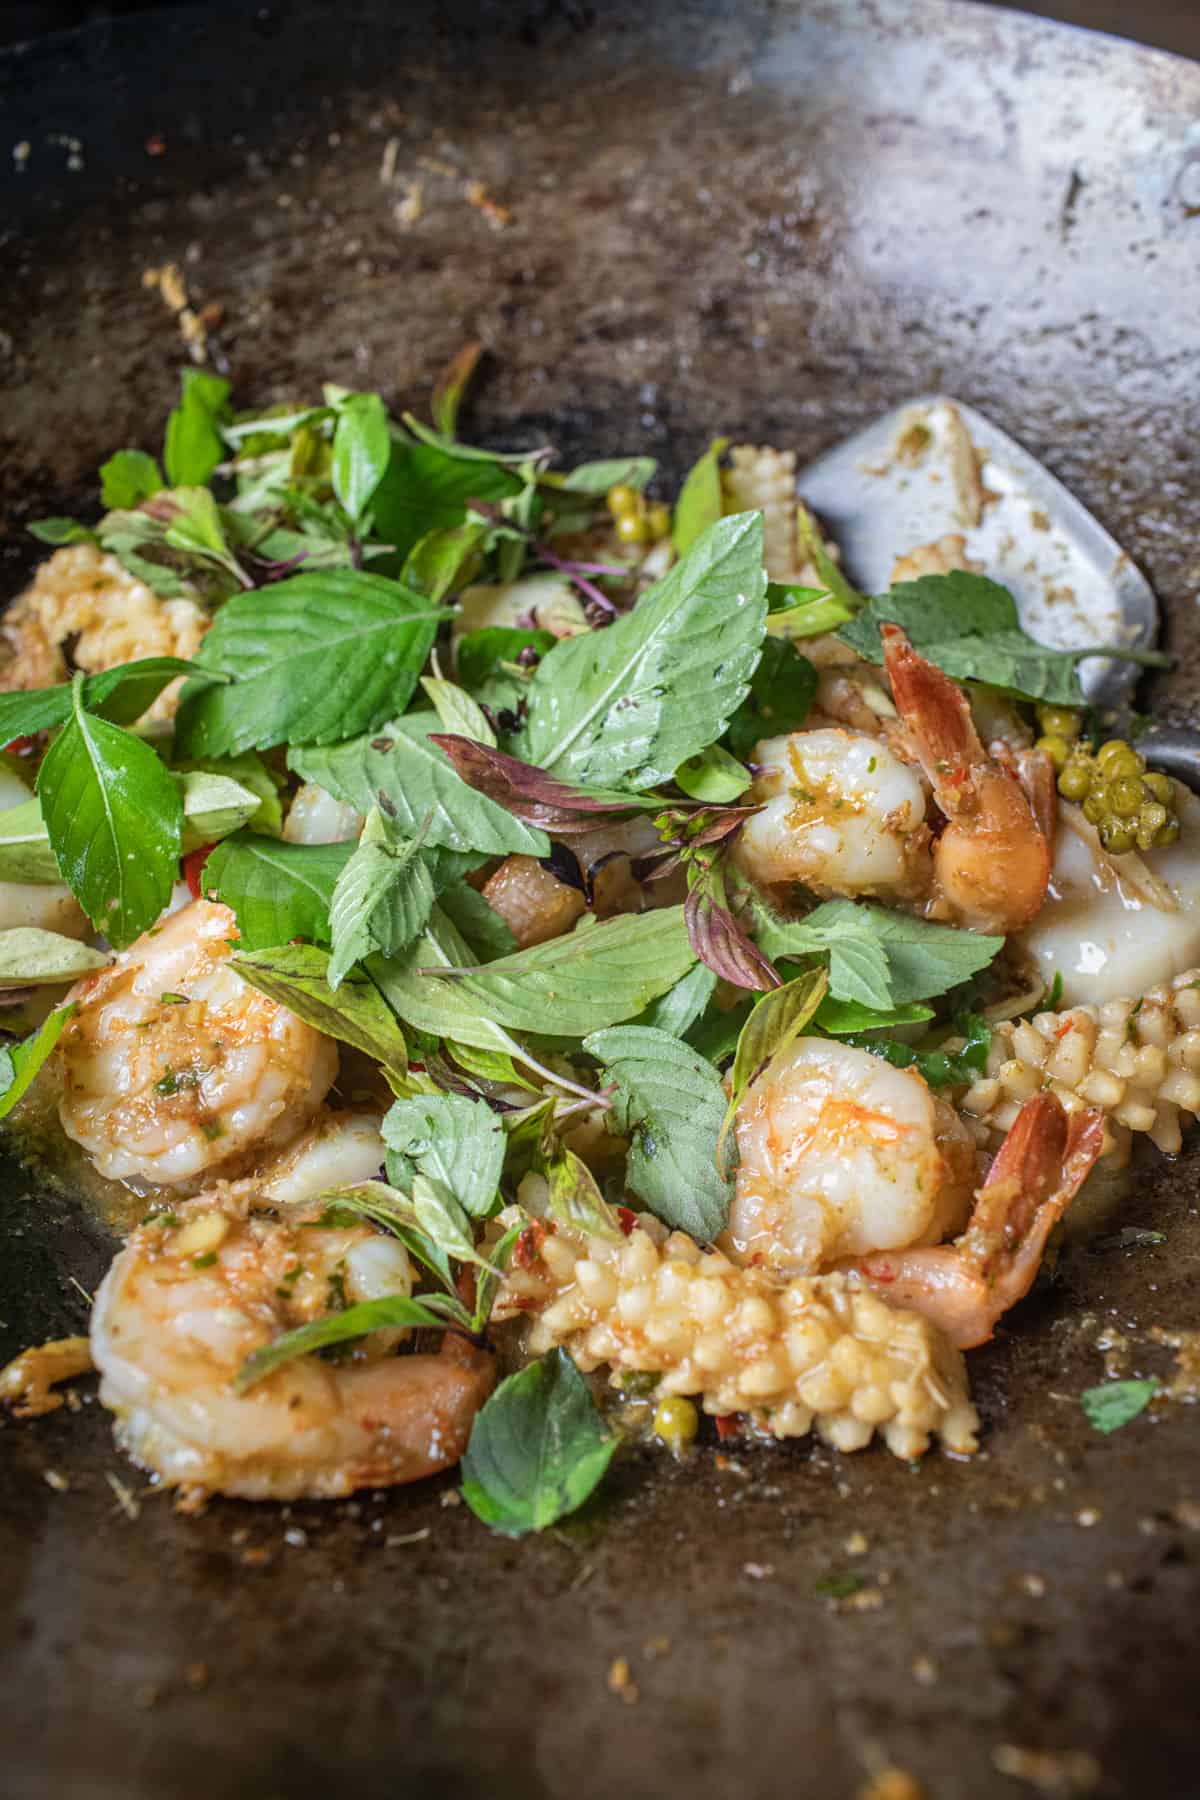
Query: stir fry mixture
point(551, 963)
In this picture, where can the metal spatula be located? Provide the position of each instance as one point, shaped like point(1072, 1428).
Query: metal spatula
point(935, 468)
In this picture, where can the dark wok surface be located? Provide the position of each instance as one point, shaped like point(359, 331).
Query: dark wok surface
point(775, 227)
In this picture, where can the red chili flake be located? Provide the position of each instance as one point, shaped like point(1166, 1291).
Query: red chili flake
point(627, 1220)
point(729, 1425)
point(528, 1246)
point(1067, 1025)
point(156, 143)
point(193, 868)
point(21, 746)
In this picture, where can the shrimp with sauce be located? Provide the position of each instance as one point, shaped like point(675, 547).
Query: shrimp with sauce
point(173, 1067)
point(964, 1287)
point(197, 1291)
point(842, 1154)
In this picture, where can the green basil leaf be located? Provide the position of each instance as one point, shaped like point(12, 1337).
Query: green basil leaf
point(316, 659)
point(451, 385)
point(362, 447)
point(842, 1018)
point(481, 652)
point(713, 776)
point(595, 976)
point(938, 1068)
point(700, 500)
point(671, 1104)
point(573, 1197)
point(630, 703)
point(830, 572)
point(121, 695)
point(248, 772)
point(438, 1007)
point(213, 807)
point(61, 531)
point(194, 446)
point(20, 1063)
point(618, 471)
point(443, 561)
point(25, 853)
point(397, 1310)
point(800, 612)
point(1115, 1403)
point(488, 1065)
point(128, 478)
point(969, 627)
point(296, 976)
point(426, 488)
point(538, 1448)
point(115, 822)
point(443, 1220)
point(31, 957)
point(398, 769)
point(382, 899)
point(457, 711)
point(782, 690)
point(485, 932)
point(775, 1021)
point(879, 958)
point(278, 891)
point(452, 1141)
point(676, 1011)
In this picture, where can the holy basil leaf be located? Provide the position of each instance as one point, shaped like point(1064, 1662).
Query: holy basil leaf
point(782, 690)
point(1115, 1403)
point(121, 695)
point(841, 1018)
point(879, 958)
point(457, 711)
point(398, 769)
point(31, 957)
point(382, 900)
point(426, 488)
point(487, 934)
point(362, 447)
point(628, 704)
point(25, 853)
point(278, 891)
point(776, 1020)
point(573, 1197)
point(538, 1448)
point(595, 976)
point(441, 1008)
point(616, 471)
point(938, 1068)
point(315, 659)
point(699, 504)
point(397, 1310)
point(115, 822)
point(714, 776)
point(128, 478)
point(194, 446)
point(969, 627)
point(60, 531)
point(481, 652)
point(829, 571)
point(451, 385)
point(296, 976)
point(452, 1141)
point(676, 1011)
point(20, 1063)
point(248, 772)
point(443, 561)
point(213, 807)
point(670, 1103)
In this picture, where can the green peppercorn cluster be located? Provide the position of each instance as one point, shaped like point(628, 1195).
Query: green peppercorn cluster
point(638, 520)
point(1130, 808)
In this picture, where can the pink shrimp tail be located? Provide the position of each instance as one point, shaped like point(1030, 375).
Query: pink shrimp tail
point(935, 710)
point(966, 1286)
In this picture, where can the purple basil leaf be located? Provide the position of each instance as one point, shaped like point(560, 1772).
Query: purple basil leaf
point(527, 792)
point(723, 946)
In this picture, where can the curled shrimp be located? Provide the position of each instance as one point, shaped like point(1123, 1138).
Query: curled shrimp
point(992, 862)
point(173, 1067)
point(964, 1287)
point(197, 1291)
point(841, 1154)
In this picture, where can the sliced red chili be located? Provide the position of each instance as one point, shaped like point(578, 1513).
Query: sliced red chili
point(193, 868)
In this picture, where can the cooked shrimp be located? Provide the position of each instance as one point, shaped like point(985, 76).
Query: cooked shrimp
point(841, 813)
point(173, 1067)
point(532, 901)
point(842, 1154)
point(992, 862)
point(315, 817)
point(964, 1287)
point(339, 1149)
point(191, 1296)
point(84, 594)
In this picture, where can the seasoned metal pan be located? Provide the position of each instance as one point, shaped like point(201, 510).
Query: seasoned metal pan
point(773, 220)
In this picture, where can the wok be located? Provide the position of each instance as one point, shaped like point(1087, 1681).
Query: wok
point(772, 221)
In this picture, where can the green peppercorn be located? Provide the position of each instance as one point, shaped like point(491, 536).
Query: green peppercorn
point(676, 1422)
point(1168, 835)
point(1095, 807)
point(1056, 748)
point(1161, 787)
point(1059, 721)
point(623, 500)
point(1117, 760)
point(1075, 780)
point(1152, 818)
point(1126, 797)
point(658, 519)
point(1116, 836)
point(632, 528)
